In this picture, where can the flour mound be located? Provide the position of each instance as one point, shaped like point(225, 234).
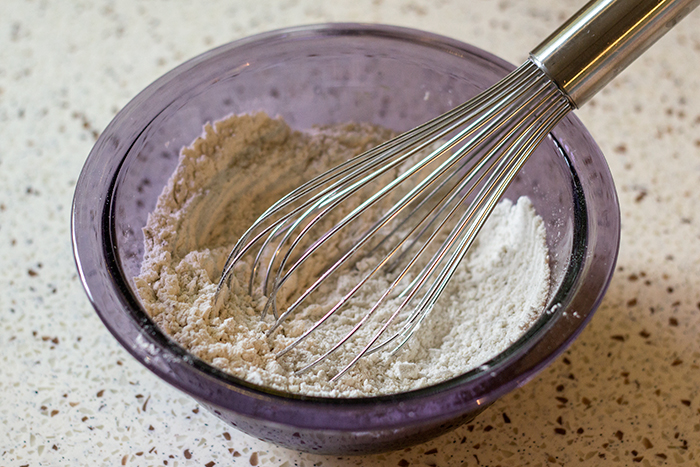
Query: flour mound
point(228, 177)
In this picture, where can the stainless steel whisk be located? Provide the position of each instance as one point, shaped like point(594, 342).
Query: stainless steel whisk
point(448, 174)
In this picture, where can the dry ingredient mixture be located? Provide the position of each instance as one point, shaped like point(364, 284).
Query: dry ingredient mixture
point(230, 175)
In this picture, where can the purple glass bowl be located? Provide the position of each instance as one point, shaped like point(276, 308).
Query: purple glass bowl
point(332, 74)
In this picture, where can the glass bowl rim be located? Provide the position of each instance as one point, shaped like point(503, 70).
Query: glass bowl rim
point(476, 378)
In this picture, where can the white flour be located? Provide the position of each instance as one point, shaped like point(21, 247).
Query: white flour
point(235, 171)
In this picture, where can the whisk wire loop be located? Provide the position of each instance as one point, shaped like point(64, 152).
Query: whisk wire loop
point(460, 154)
point(473, 151)
point(335, 198)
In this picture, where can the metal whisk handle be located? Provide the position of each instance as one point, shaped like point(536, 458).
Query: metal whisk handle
point(602, 39)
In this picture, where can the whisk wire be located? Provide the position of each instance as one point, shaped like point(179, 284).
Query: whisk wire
point(337, 197)
point(478, 155)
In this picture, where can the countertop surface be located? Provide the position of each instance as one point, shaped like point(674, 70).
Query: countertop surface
point(627, 392)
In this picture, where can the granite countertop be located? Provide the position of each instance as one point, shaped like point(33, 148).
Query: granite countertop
point(627, 392)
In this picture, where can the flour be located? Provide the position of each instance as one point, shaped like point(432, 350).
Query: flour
point(229, 176)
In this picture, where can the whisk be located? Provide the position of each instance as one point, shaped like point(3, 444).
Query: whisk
point(429, 191)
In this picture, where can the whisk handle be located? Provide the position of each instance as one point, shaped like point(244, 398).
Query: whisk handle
point(602, 39)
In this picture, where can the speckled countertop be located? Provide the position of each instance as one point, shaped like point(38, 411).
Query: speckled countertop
point(627, 392)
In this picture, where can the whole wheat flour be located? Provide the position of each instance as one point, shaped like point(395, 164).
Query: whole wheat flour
point(229, 176)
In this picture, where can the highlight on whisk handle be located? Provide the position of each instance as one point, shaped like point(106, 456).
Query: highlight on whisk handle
point(602, 39)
